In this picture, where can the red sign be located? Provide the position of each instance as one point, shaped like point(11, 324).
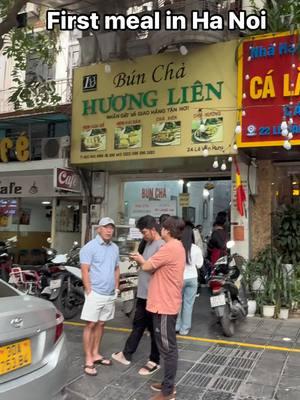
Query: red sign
point(154, 193)
point(269, 89)
point(67, 179)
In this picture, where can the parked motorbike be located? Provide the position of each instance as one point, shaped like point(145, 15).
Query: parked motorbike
point(128, 290)
point(6, 257)
point(67, 292)
point(229, 297)
point(34, 279)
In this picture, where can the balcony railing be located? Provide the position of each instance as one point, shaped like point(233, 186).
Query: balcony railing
point(63, 90)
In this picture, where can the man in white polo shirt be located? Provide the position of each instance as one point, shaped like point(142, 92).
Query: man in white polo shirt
point(99, 260)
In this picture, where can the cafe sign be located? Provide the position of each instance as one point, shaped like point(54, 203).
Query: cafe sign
point(159, 106)
point(29, 186)
point(269, 89)
point(67, 179)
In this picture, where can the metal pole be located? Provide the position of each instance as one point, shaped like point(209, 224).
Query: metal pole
point(53, 222)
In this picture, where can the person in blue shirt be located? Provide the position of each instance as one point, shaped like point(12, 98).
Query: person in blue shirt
point(99, 260)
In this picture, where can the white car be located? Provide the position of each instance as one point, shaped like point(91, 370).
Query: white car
point(33, 351)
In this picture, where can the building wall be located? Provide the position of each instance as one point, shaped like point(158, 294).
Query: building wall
point(260, 226)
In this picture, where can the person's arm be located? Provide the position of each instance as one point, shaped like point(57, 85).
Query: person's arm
point(214, 241)
point(158, 260)
point(145, 265)
point(85, 263)
point(117, 277)
point(85, 268)
point(199, 258)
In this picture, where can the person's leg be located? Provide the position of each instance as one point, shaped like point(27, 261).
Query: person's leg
point(138, 328)
point(106, 307)
point(154, 352)
point(90, 315)
point(165, 334)
point(179, 316)
point(97, 337)
point(88, 340)
point(190, 292)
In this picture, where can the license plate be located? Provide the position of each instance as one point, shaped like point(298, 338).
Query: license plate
point(216, 301)
point(55, 284)
point(15, 356)
point(128, 295)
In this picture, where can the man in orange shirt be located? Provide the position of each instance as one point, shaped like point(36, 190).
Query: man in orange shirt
point(164, 299)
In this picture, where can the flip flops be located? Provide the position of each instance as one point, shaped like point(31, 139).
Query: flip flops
point(103, 361)
point(149, 368)
point(90, 367)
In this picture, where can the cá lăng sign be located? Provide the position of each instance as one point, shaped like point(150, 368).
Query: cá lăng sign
point(269, 89)
point(67, 179)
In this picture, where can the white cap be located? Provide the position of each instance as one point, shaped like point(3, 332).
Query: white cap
point(106, 221)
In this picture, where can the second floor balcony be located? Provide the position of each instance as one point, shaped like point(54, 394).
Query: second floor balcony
point(63, 89)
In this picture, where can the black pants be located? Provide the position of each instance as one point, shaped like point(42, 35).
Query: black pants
point(142, 321)
point(165, 335)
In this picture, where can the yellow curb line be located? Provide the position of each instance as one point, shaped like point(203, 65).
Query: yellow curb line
point(205, 340)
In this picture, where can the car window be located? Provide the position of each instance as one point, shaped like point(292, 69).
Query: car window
point(6, 290)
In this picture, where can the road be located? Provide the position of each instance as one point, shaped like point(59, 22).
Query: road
point(261, 362)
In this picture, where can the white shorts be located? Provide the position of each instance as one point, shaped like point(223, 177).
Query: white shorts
point(98, 307)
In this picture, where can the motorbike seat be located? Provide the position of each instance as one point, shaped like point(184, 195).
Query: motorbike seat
point(31, 267)
point(128, 275)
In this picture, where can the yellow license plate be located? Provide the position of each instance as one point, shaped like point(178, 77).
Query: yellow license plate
point(15, 356)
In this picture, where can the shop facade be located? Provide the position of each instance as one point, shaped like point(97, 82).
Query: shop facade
point(33, 207)
point(269, 100)
point(162, 130)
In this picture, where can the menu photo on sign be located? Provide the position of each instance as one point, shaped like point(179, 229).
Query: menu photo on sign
point(93, 138)
point(207, 128)
point(166, 133)
point(128, 136)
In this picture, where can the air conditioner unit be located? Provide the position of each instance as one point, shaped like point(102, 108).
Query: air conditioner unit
point(55, 147)
point(109, 45)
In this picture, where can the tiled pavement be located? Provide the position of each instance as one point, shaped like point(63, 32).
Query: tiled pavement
point(206, 371)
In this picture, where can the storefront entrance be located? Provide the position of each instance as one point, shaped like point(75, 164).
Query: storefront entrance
point(194, 199)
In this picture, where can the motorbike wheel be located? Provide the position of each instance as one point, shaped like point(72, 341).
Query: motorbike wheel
point(227, 323)
point(64, 303)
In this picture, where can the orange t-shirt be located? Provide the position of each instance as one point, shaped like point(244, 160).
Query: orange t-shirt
point(165, 288)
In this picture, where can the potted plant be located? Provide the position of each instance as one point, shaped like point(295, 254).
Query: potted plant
point(267, 267)
point(295, 289)
point(287, 236)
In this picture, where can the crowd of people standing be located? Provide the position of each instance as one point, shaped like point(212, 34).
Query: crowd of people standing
point(168, 259)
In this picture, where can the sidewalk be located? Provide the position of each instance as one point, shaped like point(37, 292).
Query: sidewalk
point(206, 371)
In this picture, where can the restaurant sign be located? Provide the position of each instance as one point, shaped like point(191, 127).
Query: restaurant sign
point(269, 89)
point(159, 106)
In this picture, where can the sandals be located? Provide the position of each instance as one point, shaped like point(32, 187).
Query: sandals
point(103, 361)
point(90, 367)
point(149, 368)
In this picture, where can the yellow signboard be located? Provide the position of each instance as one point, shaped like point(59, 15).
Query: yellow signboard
point(159, 106)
